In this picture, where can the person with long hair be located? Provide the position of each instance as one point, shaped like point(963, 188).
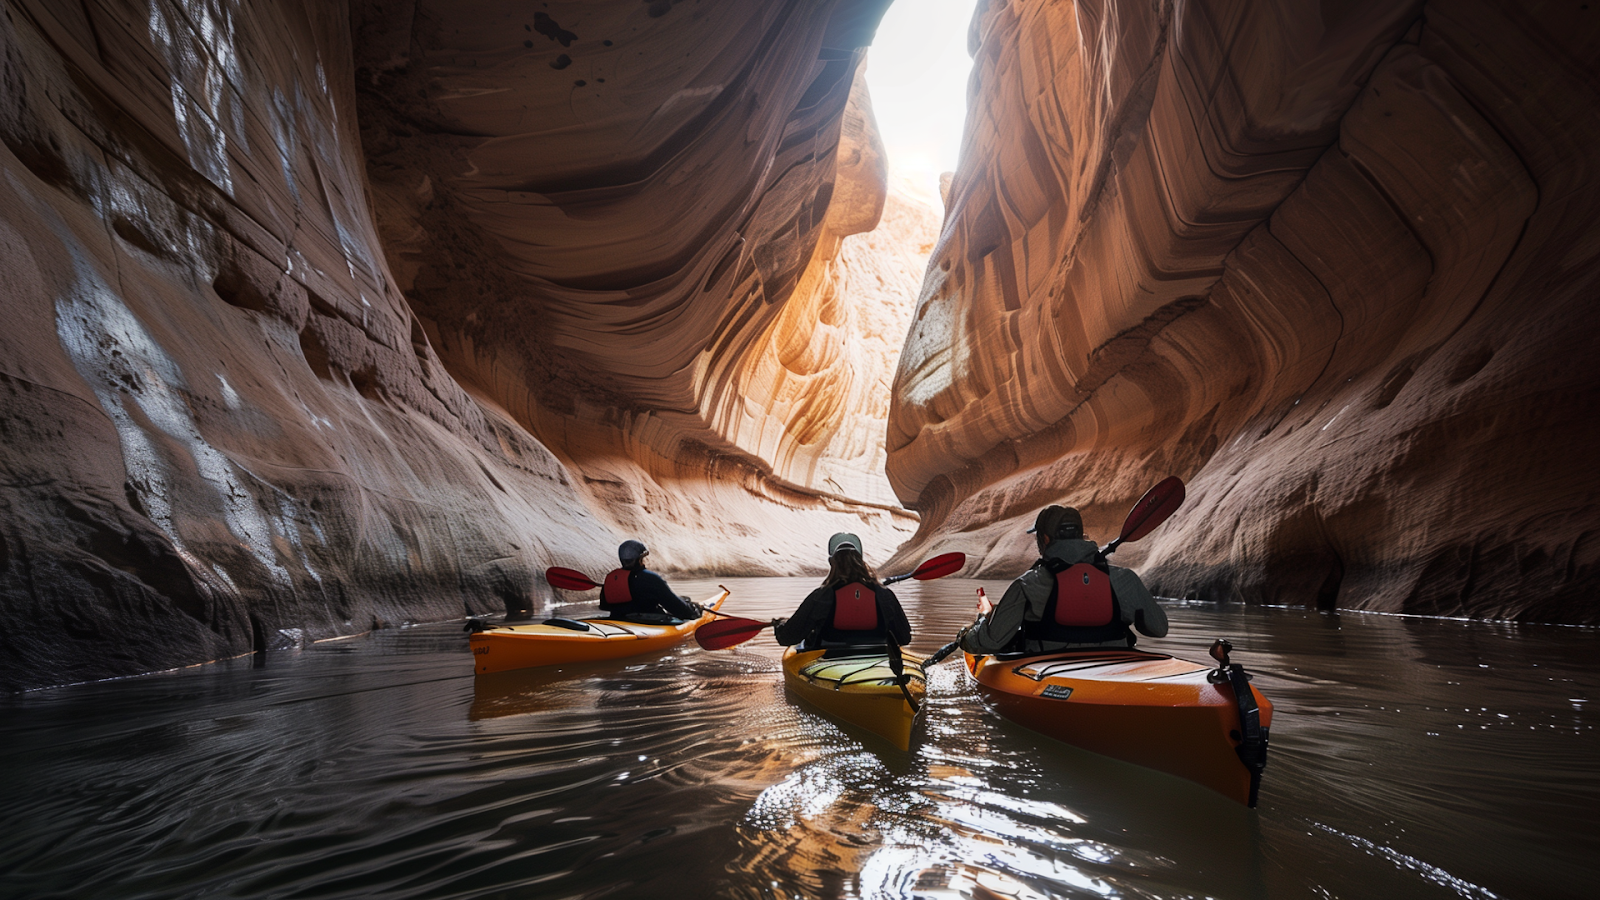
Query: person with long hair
point(851, 608)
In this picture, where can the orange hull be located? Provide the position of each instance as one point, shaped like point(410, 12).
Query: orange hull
point(1145, 708)
point(524, 646)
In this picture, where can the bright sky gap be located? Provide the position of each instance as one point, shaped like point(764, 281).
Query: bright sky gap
point(917, 72)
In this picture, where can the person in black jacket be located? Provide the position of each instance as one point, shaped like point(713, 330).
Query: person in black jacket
point(850, 608)
point(636, 594)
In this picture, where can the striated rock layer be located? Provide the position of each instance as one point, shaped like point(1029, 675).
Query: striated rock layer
point(226, 428)
point(1335, 266)
point(623, 226)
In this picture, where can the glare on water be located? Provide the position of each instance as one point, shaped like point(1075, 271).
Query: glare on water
point(1410, 758)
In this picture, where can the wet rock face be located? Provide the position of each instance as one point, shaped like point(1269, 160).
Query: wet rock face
point(623, 223)
point(227, 429)
point(224, 430)
point(1337, 271)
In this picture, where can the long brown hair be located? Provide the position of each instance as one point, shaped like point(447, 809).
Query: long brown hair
point(847, 567)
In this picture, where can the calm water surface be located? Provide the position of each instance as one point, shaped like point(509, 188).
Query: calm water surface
point(1410, 758)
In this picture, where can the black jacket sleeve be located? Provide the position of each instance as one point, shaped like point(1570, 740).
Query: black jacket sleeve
point(813, 612)
point(894, 617)
point(648, 587)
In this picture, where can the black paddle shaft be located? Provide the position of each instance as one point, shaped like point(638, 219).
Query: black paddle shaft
point(897, 665)
point(940, 654)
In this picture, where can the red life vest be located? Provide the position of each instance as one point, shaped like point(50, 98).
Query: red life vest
point(616, 592)
point(1083, 597)
point(855, 608)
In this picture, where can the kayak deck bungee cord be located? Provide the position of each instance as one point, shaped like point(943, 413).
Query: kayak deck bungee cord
point(861, 690)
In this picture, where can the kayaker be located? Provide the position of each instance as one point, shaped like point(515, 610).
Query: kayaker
point(637, 594)
point(850, 609)
point(1070, 598)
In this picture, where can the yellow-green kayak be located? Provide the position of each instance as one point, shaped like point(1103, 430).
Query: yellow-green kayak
point(860, 690)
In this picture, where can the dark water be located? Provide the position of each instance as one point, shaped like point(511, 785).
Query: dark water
point(1411, 758)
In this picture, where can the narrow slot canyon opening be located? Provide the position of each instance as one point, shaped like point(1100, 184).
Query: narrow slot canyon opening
point(918, 70)
point(907, 109)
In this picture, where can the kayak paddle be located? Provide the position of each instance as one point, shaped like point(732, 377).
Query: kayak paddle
point(568, 579)
point(938, 567)
point(897, 665)
point(728, 631)
point(1152, 509)
point(732, 630)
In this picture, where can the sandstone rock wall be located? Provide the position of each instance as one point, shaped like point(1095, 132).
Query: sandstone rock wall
point(224, 430)
point(225, 427)
point(623, 226)
point(1334, 265)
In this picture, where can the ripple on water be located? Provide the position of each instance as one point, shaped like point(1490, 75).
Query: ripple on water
point(1410, 758)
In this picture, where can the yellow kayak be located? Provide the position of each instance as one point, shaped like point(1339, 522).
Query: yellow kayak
point(857, 689)
point(537, 644)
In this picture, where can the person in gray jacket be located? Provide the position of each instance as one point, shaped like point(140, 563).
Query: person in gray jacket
point(1071, 598)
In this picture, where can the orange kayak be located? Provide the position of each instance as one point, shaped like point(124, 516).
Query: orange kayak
point(1146, 708)
point(537, 644)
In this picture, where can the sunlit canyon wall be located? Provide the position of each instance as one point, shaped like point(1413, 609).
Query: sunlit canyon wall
point(1336, 264)
point(320, 318)
point(624, 225)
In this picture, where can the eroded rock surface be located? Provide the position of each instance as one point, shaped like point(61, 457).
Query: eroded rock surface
point(228, 427)
point(1336, 270)
point(624, 227)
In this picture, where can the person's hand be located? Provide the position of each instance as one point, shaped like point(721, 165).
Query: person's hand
point(984, 606)
point(778, 623)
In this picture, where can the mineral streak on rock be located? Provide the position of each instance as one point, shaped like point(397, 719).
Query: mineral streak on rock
point(226, 428)
point(1335, 269)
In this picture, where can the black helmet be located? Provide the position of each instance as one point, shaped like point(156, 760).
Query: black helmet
point(631, 551)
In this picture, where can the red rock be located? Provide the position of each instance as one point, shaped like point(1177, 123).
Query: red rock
point(223, 418)
point(1335, 271)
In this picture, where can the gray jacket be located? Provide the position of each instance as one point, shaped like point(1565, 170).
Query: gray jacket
point(1025, 601)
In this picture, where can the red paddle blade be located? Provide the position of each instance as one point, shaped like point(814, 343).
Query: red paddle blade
point(940, 566)
point(727, 632)
point(568, 579)
point(1153, 508)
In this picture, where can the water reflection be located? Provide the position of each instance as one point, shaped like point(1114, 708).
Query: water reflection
point(1412, 757)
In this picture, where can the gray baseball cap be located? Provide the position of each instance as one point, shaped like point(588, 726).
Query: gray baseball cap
point(843, 539)
point(630, 551)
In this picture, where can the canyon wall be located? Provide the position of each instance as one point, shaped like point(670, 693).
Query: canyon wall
point(624, 228)
point(1333, 264)
point(250, 399)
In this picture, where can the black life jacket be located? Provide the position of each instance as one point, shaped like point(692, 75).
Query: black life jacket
point(616, 591)
point(1082, 608)
point(855, 608)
